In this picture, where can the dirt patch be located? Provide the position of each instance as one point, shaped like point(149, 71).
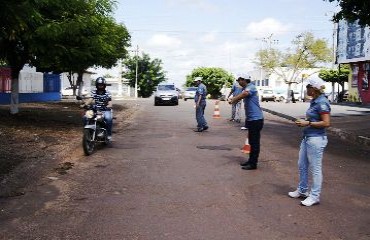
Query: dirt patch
point(35, 141)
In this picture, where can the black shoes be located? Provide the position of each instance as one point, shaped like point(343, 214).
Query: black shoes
point(244, 163)
point(201, 129)
point(249, 167)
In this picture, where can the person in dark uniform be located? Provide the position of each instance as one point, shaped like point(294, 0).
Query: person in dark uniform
point(200, 104)
point(254, 118)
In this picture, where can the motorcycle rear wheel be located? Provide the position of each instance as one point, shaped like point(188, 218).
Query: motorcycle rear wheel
point(88, 143)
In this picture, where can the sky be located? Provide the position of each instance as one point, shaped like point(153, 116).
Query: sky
point(187, 34)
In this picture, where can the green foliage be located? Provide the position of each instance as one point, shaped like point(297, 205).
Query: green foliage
point(214, 78)
point(335, 75)
point(18, 20)
point(307, 52)
point(150, 73)
point(353, 10)
point(61, 35)
point(78, 34)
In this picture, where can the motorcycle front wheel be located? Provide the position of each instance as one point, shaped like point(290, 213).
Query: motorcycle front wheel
point(88, 143)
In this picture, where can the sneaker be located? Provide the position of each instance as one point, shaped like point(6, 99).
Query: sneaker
point(199, 130)
point(109, 138)
point(297, 194)
point(308, 202)
point(231, 119)
point(205, 128)
point(243, 128)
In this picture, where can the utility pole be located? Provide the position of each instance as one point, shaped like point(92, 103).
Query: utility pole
point(269, 41)
point(136, 69)
point(120, 78)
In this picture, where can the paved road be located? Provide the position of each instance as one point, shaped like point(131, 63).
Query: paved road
point(298, 109)
point(161, 180)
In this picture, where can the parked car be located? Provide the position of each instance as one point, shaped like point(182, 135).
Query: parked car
point(189, 93)
point(179, 93)
point(166, 93)
point(69, 91)
point(267, 95)
point(282, 96)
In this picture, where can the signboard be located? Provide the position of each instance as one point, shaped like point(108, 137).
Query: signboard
point(353, 42)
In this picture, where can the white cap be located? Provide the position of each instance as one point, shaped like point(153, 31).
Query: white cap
point(198, 79)
point(243, 75)
point(316, 83)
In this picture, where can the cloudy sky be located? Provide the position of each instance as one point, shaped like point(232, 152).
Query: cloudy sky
point(186, 34)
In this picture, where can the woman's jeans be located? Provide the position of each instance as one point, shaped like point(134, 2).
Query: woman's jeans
point(310, 160)
point(199, 115)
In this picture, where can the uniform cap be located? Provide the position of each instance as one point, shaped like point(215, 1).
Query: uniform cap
point(316, 83)
point(198, 79)
point(243, 75)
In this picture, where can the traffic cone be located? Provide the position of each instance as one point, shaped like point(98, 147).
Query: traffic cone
point(216, 113)
point(246, 148)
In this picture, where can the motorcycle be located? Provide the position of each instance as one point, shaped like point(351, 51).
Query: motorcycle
point(95, 130)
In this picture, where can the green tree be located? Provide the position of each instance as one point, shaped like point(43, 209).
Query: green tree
point(149, 73)
point(59, 35)
point(18, 20)
point(77, 35)
point(214, 78)
point(307, 52)
point(353, 10)
point(339, 76)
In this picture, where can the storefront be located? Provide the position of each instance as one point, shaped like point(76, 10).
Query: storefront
point(354, 48)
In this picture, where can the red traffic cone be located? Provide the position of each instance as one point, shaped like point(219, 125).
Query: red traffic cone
point(246, 148)
point(216, 113)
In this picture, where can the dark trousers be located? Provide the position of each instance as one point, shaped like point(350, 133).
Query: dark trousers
point(254, 137)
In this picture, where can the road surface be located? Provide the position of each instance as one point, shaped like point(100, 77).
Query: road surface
point(161, 180)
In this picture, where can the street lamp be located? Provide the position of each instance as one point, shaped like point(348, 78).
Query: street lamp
point(136, 68)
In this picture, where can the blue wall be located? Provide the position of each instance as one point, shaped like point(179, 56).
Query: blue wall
point(31, 97)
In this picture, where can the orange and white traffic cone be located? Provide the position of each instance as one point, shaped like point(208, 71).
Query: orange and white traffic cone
point(246, 148)
point(216, 113)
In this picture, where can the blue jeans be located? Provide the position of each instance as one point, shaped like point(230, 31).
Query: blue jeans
point(310, 160)
point(199, 115)
point(108, 119)
point(235, 110)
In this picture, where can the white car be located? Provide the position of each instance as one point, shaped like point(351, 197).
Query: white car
point(267, 95)
point(166, 94)
point(282, 96)
point(189, 93)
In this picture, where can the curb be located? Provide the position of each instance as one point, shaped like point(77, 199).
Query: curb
point(365, 141)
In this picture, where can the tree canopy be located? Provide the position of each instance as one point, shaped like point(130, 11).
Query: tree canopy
point(353, 10)
point(149, 73)
point(60, 36)
point(307, 52)
point(214, 78)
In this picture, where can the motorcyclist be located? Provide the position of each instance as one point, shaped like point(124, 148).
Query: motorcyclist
point(103, 102)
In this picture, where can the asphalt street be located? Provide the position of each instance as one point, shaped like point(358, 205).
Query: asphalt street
point(161, 180)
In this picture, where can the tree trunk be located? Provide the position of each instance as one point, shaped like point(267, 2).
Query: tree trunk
point(14, 96)
point(80, 82)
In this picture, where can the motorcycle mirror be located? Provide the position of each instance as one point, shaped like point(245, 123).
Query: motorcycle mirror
point(78, 97)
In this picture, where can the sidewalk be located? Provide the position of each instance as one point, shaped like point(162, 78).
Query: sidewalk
point(349, 122)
